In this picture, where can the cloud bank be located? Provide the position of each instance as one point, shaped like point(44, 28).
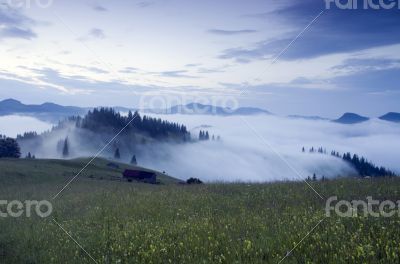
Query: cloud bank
point(271, 153)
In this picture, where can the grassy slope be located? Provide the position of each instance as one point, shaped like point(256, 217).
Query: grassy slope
point(118, 222)
point(35, 171)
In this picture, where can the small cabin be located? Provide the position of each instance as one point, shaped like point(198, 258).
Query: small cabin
point(142, 176)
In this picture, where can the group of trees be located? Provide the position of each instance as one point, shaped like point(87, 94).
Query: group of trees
point(9, 148)
point(203, 135)
point(30, 156)
point(117, 155)
point(315, 150)
point(103, 119)
point(360, 164)
point(27, 135)
point(365, 167)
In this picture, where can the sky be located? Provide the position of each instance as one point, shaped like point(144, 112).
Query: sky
point(289, 57)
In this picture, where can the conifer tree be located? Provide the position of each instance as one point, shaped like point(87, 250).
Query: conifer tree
point(65, 151)
point(133, 160)
point(117, 155)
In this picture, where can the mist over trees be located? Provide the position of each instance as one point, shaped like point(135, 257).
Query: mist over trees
point(365, 167)
point(78, 135)
point(361, 164)
point(107, 119)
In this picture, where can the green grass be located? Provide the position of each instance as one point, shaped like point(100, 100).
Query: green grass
point(120, 222)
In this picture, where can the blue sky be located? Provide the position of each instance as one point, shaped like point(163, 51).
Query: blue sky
point(91, 53)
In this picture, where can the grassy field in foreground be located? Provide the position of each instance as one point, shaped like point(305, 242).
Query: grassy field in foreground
point(120, 222)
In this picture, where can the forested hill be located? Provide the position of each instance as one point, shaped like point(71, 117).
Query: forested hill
point(108, 120)
point(81, 136)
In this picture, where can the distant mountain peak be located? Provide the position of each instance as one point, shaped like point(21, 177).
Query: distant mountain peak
point(351, 118)
point(391, 117)
point(46, 111)
point(10, 100)
point(203, 109)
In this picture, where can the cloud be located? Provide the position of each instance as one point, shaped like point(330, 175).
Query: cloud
point(145, 4)
point(230, 32)
point(243, 156)
point(88, 68)
point(129, 70)
point(210, 70)
point(193, 64)
point(243, 55)
point(175, 74)
point(335, 31)
point(99, 8)
point(367, 64)
point(13, 24)
point(97, 33)
point(94, 33)
point(14, 32)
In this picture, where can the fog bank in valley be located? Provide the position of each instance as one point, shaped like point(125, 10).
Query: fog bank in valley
point(270, 149)
point(243, 156)
point(11, 125)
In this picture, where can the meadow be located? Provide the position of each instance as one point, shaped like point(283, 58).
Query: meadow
point(121, 222)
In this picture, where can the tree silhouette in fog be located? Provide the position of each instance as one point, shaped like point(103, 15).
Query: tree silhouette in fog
point(9, 148)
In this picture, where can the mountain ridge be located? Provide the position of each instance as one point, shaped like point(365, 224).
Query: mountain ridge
point(53, 112)
point(351, 118)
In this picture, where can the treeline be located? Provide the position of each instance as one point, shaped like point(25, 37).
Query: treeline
point(108, 119)
point(204, 135)
point(363, 166)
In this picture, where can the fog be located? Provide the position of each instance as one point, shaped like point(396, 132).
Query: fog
point(243, 156)
point(268, 150)
point(11, 125)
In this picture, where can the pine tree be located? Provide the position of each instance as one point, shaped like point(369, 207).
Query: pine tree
point(314, 177)
point(133, 160)
point(65, 151)
point(117, 155)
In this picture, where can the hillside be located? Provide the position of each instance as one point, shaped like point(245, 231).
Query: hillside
point(85, 135)
point(17, 171)
point(118, 222)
